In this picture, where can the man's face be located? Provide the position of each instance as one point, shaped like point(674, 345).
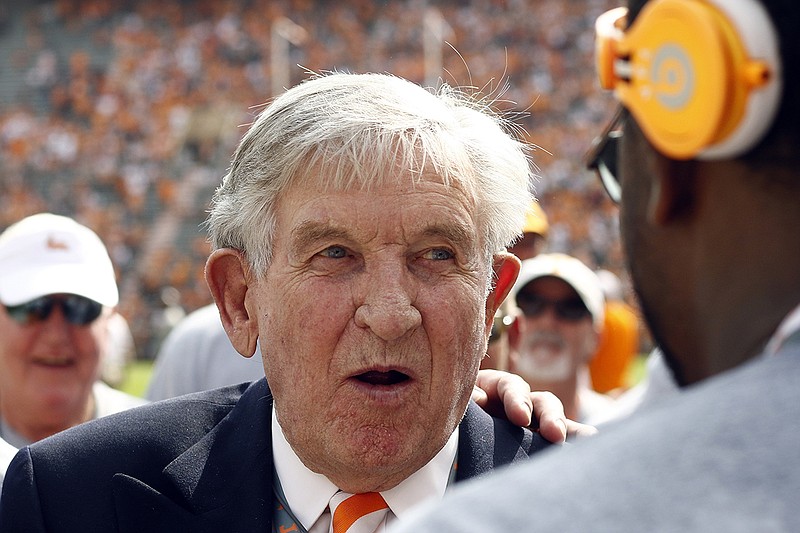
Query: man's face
point(555, 339)
point(47, 369)
point(372, 321)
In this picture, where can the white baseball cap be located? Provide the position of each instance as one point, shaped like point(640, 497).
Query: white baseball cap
point(573, 272)
point(51, 254)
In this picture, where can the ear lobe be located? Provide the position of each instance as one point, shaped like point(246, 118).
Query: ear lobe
point(506, 269)
point(228, 277)
point(673, 190)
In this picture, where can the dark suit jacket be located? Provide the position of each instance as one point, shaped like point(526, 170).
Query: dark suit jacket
point(202, 462)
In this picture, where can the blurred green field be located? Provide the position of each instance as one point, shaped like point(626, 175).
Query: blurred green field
point(638, 370)
point(137, 376)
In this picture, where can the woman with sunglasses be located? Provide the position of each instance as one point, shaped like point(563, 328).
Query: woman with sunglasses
point(58, 291)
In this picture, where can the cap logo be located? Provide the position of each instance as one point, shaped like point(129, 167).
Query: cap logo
point(55, 244)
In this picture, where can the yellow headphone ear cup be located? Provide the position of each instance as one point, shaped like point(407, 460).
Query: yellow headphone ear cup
point(684, 72)
point(682, 76)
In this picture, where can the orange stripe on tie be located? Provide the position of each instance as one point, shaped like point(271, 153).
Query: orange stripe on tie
point(355, 507)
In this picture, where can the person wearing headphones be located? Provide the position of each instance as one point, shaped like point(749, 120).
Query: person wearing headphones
point(702, 158)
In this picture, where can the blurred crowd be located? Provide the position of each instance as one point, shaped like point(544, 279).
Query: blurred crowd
point(124, 114)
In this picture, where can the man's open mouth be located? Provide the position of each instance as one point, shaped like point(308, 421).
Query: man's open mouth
point(374, 377)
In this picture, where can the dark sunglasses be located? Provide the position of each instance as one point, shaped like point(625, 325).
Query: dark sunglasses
point(602, 156)
point(533, 305)
point(77, 309)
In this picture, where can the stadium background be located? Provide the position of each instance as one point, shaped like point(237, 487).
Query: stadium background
point(124, 114)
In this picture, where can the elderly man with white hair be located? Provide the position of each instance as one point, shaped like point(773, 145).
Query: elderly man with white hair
point(359, 238)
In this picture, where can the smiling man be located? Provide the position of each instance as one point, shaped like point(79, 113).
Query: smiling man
point(359, 237)
point(58, 291)
point(561, 306)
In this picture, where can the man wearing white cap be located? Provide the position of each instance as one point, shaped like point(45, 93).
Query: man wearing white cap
point(58, 291)
point(561, 307)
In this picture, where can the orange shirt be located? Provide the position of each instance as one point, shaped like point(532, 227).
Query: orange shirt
point(619, 346)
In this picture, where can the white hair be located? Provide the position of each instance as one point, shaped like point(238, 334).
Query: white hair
point(358, 130)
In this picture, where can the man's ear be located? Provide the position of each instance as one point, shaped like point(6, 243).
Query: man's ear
point(506, 269)
point(228, 276)
point(673, 192)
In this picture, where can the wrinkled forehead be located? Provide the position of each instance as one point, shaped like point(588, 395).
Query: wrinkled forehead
point(394, 188)
point(347, 175)
point(375, 179)
point(373, 159)
point(396, 208)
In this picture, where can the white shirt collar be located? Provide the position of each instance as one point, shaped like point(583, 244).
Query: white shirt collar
point(308, 493)
point(789, 325)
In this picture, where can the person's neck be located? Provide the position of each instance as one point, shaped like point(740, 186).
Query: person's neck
point(741, 332)
point(35, 428)
point(740, 308)
point(744, 271)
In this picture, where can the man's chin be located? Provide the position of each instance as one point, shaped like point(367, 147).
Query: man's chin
point(378, 466)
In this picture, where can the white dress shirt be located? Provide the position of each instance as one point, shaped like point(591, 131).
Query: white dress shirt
point(308, 493)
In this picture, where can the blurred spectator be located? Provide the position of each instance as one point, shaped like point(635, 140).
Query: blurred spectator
point(561, 317)
point(58, 294)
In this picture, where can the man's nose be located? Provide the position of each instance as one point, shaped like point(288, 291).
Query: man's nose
point(56, 325)
point(387, 308)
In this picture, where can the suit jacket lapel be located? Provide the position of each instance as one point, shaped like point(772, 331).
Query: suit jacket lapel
point(222, 483)
point(485, 443)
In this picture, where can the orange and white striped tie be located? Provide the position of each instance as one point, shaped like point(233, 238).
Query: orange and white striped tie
point(357, 513)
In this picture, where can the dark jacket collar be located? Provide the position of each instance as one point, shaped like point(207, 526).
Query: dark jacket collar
point(224, 481)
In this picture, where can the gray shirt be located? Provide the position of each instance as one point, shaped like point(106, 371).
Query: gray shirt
point(723, 455)
point(197, 355)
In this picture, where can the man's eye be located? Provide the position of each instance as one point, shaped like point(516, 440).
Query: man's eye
point(334, 252)
point(438, 254)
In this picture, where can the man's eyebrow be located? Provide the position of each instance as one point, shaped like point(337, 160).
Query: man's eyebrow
point(310, 232)
point(460, 235)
